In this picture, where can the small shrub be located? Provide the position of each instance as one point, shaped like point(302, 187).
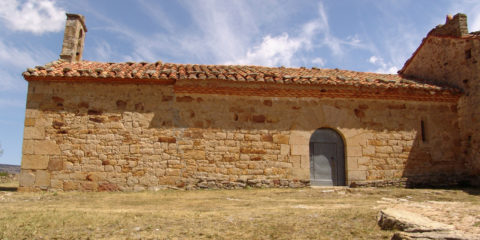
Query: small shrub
point(3, 174)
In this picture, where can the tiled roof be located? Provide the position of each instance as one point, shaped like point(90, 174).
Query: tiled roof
point(133, 72)
point(248, 80)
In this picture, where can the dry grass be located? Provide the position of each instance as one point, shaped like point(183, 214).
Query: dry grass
point(207, 214)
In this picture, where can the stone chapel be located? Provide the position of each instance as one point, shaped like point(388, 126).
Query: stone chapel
point(132, 126)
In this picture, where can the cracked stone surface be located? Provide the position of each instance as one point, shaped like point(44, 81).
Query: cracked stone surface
point(407, 221)
point(429, 220)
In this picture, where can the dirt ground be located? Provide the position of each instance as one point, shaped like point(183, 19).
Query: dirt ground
point(307, 213)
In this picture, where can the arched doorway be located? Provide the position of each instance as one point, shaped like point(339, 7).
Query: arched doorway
point(327, 158)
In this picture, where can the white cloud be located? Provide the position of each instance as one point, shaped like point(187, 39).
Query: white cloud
point(228, 33)
point(15, 59)
point(225, 28)
point(273, 51)
point(391, 46)
point(11, 55)
point(476, 24)
point(36, 16)
point(319, 61)
point(373, 59)
point(220, 31)
point(282, 49)
point(382, 66)
point(103, 51)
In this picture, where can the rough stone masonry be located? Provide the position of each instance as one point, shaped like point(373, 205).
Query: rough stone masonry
point(95, 126)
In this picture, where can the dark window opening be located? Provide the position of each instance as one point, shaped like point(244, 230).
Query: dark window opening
point(422, 129)
point(465, 83)
point(468, 54)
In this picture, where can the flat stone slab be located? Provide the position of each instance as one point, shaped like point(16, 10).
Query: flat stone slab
point(452, 235)
point(396, 219)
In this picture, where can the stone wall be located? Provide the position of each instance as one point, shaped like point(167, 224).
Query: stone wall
point(105, 137)
point(455, 62)
point(10, 177)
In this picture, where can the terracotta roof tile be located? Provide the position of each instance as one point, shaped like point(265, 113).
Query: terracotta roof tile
point(138, 72)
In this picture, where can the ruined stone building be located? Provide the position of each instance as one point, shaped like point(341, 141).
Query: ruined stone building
point(100, 126)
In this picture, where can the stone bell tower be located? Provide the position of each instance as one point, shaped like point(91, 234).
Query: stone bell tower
point(74, 38)
point(450, 55)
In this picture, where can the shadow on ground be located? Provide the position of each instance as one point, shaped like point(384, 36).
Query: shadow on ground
point(472, 191)
point(8, 189)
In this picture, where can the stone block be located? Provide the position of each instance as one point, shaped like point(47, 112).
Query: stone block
point(301, 173)
point(109, 187)
point(383, 149)
point(220, 135)
point(356, 175)
point(252, 150)
point(397, 149)
point(88, 186)
point(134, 149)
point(357, 140)
point(300, 149)
point(29, 122)
point(368, 150)
point(27, 147)
point(26, 179)
point(38, 162)
point(280, 138)
point(168, 180)
point(125, 149)
point(352, 163)
point(42, 179)
point(267, 138)
point(194, 154)
point(297, 161)
point(46, 147)
point(109, 168)
point(167, 139)
point(350, 133)
point(252, 137)
point(376, 142)
point(56, 184)
point(363, 161)
point(70, 186)
point(354, 151)
point(299, 138)
point(172, 172)
point(34, 133)
point(305, 161)
point(284, 149)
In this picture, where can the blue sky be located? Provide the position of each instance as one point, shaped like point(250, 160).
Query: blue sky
point(361, 35)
